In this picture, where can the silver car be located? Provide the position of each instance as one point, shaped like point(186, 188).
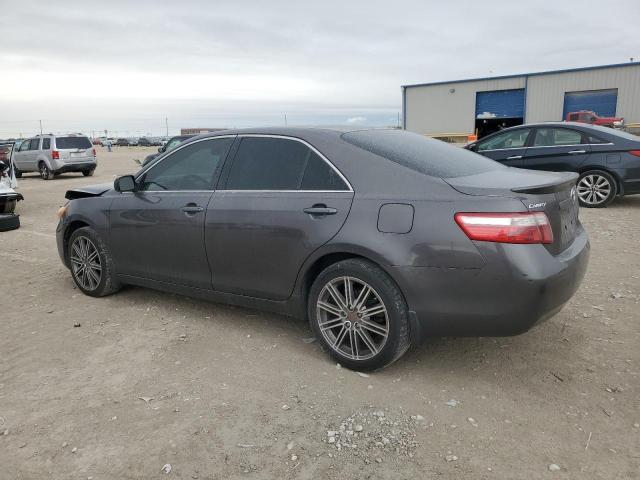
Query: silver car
point(51, 155)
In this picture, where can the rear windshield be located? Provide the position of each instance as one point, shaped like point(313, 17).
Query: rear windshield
point(64, 143)
point(422, 154)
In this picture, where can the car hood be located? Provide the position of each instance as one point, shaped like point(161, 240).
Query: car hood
point(88, 191)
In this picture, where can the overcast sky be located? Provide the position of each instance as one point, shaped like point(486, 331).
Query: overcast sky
point(123, 66)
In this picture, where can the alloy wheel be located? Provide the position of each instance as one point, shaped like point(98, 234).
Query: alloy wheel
point(44, 171)
point(352, 318)
point(594, 189)
point(85, 263)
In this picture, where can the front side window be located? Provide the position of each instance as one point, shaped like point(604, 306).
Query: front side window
point(556, 137)
point(193, 167)
point(34, 144)
point(265, 163)
point(24, 146)
point(513, 139)
point(46, 143)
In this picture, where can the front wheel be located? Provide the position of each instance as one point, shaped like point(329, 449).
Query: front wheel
point(596, 189)
point(91, 263)
point(359, 314)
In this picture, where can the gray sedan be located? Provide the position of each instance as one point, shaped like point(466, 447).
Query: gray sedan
point(378, 237)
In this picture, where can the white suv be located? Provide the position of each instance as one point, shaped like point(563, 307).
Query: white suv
point(54, 154)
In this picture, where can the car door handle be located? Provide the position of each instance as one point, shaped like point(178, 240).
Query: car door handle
point(514, 157)
point(577, 152)
point(192, 208)
point(320, 209)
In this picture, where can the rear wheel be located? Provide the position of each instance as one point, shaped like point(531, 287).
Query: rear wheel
point(359, 314)
point(45, 171)
point(596, 189)
point(91, 263)
point(88, 173)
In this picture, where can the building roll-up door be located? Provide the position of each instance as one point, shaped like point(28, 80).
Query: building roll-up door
point(500, 104)
point(603, 102)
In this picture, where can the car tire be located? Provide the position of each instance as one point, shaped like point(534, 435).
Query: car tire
point(9, 222)
point(88, 173)
point(91, 264)
point(8, 207)
point(45, 171)
point(17, 172)
point(379, 339)
point(596, 189)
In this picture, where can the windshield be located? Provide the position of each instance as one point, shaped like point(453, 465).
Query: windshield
point(422, 154)
point(67, 143)
point(173, 143)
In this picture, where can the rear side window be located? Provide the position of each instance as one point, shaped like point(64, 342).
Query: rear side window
point(424, 155)
point(68, 143)
point(553, 137)
point(268, 164)
point(46, 143)
point(34, 144)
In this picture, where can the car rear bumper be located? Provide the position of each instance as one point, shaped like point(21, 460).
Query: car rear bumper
point(62, 167)
point(519, 286)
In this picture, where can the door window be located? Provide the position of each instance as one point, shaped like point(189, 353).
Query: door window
point(34, 144)
point(556, 137)
point(511, 139)
point(24, 146)
point(265, 163)
point(319, 175)
point(46, 143)
point(192, 167)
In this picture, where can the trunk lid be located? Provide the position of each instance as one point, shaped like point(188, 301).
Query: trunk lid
point(553, 193)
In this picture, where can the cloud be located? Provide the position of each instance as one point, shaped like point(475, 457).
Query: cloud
point(356, 120)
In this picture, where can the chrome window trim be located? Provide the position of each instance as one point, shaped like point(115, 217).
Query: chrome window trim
point(308, 145)
point(546, 146)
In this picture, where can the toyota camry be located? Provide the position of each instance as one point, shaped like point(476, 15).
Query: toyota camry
point(378, 237)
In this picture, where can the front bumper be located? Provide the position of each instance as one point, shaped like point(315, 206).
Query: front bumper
point(519, 286)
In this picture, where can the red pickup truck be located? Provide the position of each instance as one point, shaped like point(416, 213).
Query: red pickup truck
point(587, 116)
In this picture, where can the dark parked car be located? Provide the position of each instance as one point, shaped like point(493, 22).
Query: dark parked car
point(170, 145)
point(123, 142)
point(376, 236)
point(607, 160)
point(144, 142)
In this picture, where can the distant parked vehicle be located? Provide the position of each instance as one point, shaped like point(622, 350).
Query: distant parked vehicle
point(55, 154)
point(170, 145)
point(122, 142)
point(587, 116)
point(144, 142)
point(607, 160)
point(133, 142)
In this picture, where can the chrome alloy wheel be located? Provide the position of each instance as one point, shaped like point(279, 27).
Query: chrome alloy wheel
point(594, 189)
point(85, 263)
point(352, 318)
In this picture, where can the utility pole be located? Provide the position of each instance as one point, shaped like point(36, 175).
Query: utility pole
point(166, 124)
point(285, 119)
point(40, 127)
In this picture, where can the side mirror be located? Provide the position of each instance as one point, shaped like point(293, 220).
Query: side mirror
point(126, 183)
point(161, 150)
point(472, 146)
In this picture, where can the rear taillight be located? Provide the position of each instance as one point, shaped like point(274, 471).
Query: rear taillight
point(94, 152)
point(635, 152)
point(529, 227)
point(55, 154)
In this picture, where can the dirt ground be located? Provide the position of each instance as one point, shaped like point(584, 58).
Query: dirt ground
point(150, 380)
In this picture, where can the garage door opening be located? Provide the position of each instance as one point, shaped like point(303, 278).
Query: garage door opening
point(498, 109)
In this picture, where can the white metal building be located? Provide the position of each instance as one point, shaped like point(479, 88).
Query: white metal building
point(483, 105)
